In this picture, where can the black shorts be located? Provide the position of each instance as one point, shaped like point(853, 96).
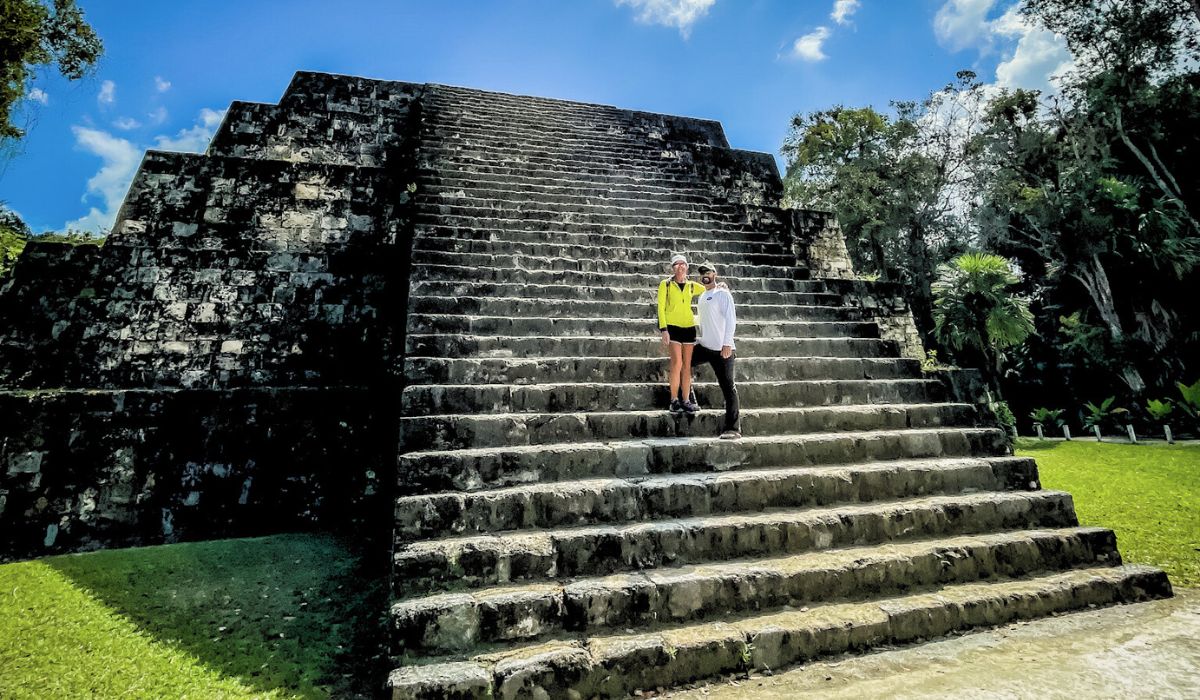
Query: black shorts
point(681, 334)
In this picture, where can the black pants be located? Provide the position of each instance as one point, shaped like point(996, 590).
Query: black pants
point(723, 368)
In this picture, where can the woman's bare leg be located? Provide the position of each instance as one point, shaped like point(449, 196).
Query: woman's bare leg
point(675, 370)
point(685, 372)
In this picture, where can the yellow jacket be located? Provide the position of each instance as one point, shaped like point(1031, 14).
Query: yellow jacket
point(674, 305)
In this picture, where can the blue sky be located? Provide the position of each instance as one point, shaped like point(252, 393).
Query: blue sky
point(171, 68)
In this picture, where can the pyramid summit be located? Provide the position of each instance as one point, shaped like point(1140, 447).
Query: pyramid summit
point(426, 313)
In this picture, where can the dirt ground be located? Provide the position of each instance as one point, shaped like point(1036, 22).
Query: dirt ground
point(1148, 650)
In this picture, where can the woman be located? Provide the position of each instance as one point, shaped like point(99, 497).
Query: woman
point(677, 325)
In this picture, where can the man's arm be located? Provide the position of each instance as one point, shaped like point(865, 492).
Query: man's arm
point(730, 324)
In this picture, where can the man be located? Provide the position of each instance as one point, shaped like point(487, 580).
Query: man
point(718, 321)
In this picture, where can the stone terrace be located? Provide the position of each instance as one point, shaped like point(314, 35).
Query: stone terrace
point(471, 275)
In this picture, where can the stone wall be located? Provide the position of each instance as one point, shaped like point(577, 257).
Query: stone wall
point(818, 241)
point(883, 303)
point(86, 469)
point(200, 375)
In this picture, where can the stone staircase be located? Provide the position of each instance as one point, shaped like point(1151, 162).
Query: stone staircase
point(559, 534)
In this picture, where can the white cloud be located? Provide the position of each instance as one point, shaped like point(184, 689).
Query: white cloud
point(108, 93)
point(1040, 55)
point(960, 24)
point(158, 116)
point(809, 46)
point(195, 138)
point(39, 95)
point(843, 10)
point(119, 162)
point(1031, 56)
point(160, 84)
point(126, 123)
point(681, 14)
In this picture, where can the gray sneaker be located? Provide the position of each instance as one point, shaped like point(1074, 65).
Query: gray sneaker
point(731, 435)
point(675, 406)
point(690, 407)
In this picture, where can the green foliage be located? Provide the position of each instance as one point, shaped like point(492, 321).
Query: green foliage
point(1160, 411)
point(1004, 414)
point(36, 34)
point(1047, 417)
point(1149, 494)
point(975, 308)
point(931, 362)
point(892, 180)
point(291, 616)
point(13, 236)
point(1190, 395)
point(1102, 414)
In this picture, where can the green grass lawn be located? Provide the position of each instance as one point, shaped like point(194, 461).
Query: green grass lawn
point(1148, 493)
point(291, 616)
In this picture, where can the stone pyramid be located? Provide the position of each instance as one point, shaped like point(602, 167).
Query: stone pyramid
point(490, 260)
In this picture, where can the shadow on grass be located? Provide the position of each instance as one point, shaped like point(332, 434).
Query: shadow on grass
point(301, 614)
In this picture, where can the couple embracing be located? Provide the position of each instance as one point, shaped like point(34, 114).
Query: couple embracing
point(708, 342)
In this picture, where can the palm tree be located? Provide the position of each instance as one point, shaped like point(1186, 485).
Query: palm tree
point(974, 309)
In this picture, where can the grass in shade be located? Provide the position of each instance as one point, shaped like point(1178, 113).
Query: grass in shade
point(1148, 493)
point(290, 616)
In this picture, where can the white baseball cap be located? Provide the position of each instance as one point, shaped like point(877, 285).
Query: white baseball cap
point(678, 258)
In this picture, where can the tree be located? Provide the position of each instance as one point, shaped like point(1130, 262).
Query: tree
point(976, 309)
point(1099, 190)
point(13, 236)
point(34, 35)
point(895, 182)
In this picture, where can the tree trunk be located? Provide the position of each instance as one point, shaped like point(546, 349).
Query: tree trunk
point(1153, 171)
point(1095, 280)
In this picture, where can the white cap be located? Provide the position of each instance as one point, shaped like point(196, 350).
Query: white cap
point(678, 258)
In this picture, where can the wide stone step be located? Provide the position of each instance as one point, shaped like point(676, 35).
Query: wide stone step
point(449, 432)
point(659, 497)
point(469, 130)
point(502, 558)
point(434, 170)
point(724, 245)
point(553, 370)
point(459, 273)
point(573, 397)
point(625, 327)
point(458, 622)
point(500, 188)
point(511, 110)
point(553, 222)
point(814, 294)
point(519, 123)
point(534, 162)
point(618, 665)
point(647, 309)
point(495, 467)
point(578, 208)
point(569, 118)
point(603, 217)
point(717, 247)
point(576, 201)
point(516, 174)
point(656, 254)
point(646, 345)
point(507, 147)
